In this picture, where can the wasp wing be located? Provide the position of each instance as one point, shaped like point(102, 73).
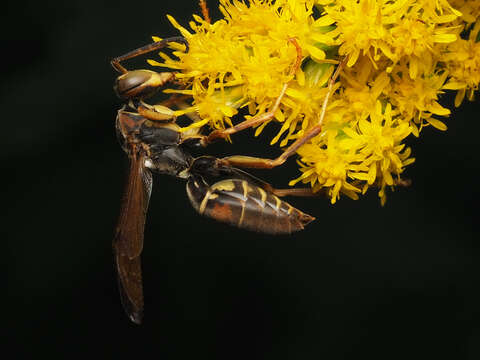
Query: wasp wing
point(130, 286)
point(128, 239)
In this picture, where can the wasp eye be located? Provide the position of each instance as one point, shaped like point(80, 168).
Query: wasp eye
point(140, 84)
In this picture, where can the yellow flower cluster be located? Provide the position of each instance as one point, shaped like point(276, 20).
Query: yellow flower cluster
point(248, 52)
point(400, 57)
point(367, 154)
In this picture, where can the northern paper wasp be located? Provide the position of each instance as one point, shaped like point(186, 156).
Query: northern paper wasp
point(216, 187)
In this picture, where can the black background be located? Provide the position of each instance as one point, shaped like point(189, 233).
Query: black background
point(391, 283)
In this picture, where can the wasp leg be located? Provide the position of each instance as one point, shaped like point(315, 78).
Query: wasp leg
point(259, 119)
point(204, 8)
point(245, 205)
point(156, 112)
point(211, 167)
point(261, 163)
point(145, 49)
point(163, 111)
point(301, 192)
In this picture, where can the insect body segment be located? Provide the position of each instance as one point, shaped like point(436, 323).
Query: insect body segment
point(239, 203)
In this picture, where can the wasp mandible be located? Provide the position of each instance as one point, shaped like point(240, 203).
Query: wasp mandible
point(216, 187)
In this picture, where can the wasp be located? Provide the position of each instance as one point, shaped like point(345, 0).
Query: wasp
point(216, 187)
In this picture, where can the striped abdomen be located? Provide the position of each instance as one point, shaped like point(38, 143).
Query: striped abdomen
point(248, 206)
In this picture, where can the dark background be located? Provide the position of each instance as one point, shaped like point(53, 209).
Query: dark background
point(391, 283)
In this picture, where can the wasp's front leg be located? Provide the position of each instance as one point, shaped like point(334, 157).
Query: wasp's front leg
point(156, 112)
point(162, 111)
point(144, 50)
point(259, 119)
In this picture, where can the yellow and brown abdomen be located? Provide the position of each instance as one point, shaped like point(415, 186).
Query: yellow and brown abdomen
point(240, 203)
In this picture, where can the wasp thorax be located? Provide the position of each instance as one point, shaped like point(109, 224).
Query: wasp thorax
point(140, 84)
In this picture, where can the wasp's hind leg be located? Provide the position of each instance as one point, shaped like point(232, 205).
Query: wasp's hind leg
point(262, 163)
point(245, 205)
